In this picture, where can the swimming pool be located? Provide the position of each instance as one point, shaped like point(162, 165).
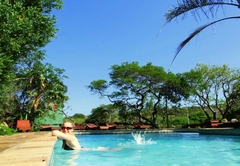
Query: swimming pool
point(152, 150)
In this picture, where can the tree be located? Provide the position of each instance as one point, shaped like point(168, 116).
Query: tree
point(213, 88)
point(207, 7)
point(136, 86)
point(78, 118)
point(98, 115)
point(234, 99)
point(104, 114)
point(38, 89)
point(25, 27)
point(175, 89)
point(26, 83)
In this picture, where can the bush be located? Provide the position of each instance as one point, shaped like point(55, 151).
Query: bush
point(4, 130)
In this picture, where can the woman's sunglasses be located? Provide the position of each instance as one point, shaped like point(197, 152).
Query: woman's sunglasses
point(68, 128)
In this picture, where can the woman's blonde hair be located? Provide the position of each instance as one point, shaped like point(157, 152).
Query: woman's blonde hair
point(72, 124)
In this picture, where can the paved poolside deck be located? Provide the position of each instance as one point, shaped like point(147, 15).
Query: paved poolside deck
point(26, 149)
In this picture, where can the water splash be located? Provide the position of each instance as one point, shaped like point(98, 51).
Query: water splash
point(140, 139)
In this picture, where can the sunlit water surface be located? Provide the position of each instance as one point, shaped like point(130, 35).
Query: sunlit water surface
point(139, 149)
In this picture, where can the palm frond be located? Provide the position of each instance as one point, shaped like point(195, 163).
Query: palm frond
point(197, 31)
point(184, 6)
point(194, 6)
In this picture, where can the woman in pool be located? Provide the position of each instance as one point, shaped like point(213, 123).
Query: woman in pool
point(70, 141)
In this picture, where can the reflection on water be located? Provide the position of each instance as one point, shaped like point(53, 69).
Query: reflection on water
point(71, 161)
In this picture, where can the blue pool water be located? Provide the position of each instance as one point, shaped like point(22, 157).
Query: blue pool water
point(174, 149)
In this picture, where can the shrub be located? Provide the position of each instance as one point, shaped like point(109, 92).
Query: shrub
point(4, 130)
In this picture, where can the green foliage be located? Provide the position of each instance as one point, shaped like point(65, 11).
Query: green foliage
point(148, 94)
point(178, 122)
point(78, 118)
point(39, 89)
point(134, 87)
point(99, 115)
point(27, 86)
point(4, 130)
point(197, 117)
point(214, 89)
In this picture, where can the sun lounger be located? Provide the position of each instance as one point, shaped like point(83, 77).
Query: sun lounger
point(56, 126)
point(141, 126)
point(209, 124)
point(23, 125)
point(46, 127)
point(120, 127)
point(79, 127)
point(111, 125)
point(91, 126)
point(104, 127)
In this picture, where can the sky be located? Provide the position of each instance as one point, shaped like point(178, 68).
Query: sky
point(96, 34)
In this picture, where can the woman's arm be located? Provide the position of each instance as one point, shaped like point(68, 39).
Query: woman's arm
point(62, 135)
